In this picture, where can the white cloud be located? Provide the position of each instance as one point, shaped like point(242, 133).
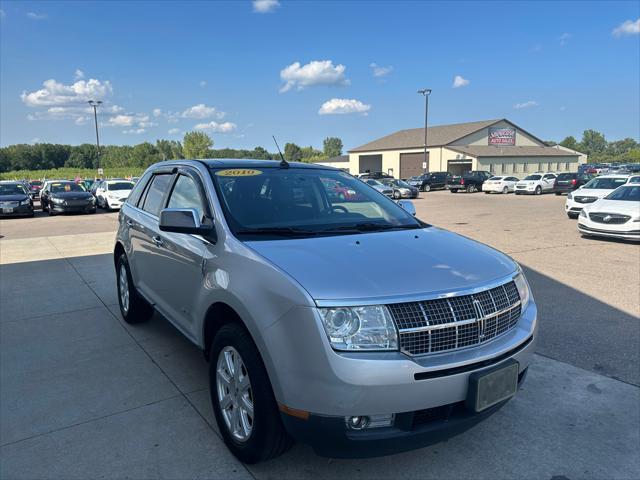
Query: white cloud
point(528, 104)
point(36, 16)
point(55, 93)
point(379, 71)
point(157, 112)
point(628, 27)
point(564, 39)
point(174, 131)
point(135, 131)
point(313, 73)
point(337, 106)
point(265, 6)
point(121, 121)
point(81, 120)
point(203, 83)
point(35, 140)
point(212, 126)
point(202, 111)
point(78, 74)
point(458, 82)
point(113, 109)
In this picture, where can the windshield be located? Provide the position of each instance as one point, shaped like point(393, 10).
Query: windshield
point(66, 187)
point(495, 178)
point(373, 183)
point(299, 202)
point(606, 183)
point(12, 189)
point(401, 183)
point(565, 176)
point(120, 186)
point(533, 177)
point(629, 193)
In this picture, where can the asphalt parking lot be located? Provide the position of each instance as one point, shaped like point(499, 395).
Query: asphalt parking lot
point(83, 395)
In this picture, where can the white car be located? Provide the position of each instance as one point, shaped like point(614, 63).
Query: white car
point(591, 191)
point(634, 179)
point(617, 215)
point(111, 194)
point(536, 184)
point(500, 185)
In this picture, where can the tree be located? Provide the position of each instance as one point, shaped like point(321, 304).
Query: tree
point(332, 146)
point(169, 149)
point(593, 142)
point(292, 152)
point(570, 142)
point(196, 145)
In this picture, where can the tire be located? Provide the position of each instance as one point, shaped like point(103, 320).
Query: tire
point(454, 190)
point(426, 188)
point(133, 308)
point(516, 192)
point(558, 193)
point(471, 189)
point(505, 191)
point(267, 437)
point(538, 190)
point(397, 195)
point(487, 193)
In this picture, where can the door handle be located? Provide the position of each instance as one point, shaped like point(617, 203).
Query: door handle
point(157, 240)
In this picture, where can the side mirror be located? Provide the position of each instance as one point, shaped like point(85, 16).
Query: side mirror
point(183, 220)
point(408, 206)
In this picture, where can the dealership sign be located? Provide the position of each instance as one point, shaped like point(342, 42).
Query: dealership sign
point(502, 136)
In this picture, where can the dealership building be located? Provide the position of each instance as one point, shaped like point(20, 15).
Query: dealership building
point(499, 146)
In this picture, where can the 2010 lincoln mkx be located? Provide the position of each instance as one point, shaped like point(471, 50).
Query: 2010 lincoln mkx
point(272, 268)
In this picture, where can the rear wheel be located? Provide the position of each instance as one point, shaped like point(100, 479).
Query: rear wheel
point(471, 189)
point(558, 193)
point(242, 398)
point(133, 307)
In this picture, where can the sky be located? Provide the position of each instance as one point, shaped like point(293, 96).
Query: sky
point(243, 71)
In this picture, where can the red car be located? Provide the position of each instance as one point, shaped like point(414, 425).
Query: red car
point(35, 185)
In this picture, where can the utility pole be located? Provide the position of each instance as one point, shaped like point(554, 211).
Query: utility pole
point(95, 105)
point(425, 92)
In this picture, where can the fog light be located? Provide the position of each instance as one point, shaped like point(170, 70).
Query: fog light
point(371, 421)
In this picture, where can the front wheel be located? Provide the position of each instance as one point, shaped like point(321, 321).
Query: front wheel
point(133, 308)
point(505, 190)
point(242, 398)
point(538, 190)
point(426, 188)
point(471, 189)
point(558, 193)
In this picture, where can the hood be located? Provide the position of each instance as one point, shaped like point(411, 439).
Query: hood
point(338, 268)
point(14, 198)
point(622, 207)
point(592, 192)
point(72, 195)
point(527, 182)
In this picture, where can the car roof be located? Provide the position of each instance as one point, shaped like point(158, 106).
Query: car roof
point(8, 182)
point(614, 176)
point(249, 163)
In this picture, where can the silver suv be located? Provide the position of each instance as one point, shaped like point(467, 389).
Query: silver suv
point(273, 270)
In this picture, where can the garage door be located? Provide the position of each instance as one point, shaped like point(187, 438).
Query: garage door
point(411, 164)
point(370, 163)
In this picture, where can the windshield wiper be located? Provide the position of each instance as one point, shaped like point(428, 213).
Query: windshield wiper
point(283, 231)
point(368, 227)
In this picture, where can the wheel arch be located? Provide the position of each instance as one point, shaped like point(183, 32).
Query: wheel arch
point(117, 251)
point(219, 314)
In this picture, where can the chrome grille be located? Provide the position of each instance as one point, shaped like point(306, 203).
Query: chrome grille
point(9, 204)
point(581, 199)
point(450, 323)
point(609, 218)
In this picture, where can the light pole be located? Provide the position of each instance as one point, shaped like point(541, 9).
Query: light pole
point(425, 92)
point(95, 106)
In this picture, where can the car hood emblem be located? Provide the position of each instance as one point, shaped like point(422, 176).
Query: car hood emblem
point(607, 218)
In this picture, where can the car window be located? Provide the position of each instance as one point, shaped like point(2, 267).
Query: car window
point(634, 180)
point(533, 177)
point(185, 194)
point(66, 187)
point(549, 176)
point(606, 183)
point(120, 186)
point(496, 178)
point(155, 194)
point(12, 189)
point(627, 193)
point(138, 189)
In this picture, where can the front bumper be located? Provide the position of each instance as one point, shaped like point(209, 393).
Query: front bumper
point(528, 190)
point(83, 208)
point(625, 231)
point(571, 207)
point(18, 211)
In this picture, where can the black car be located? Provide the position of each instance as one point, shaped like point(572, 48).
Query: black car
point(568, 182)
point(470, 182)
point(401, 189)
point(430, 181)
point(15, 200)
point(63, 197)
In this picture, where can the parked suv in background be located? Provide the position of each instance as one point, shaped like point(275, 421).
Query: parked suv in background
point(536, 184)
point(306, 338)
point(470, 182)
point(430, 181)
point(568, 182)
point(111, 194)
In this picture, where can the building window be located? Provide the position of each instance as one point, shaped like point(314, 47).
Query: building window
point(540, 166)
point(515, 168)
point(549, 166)
point(566, 166)
point(492, 168)
point(558, 166)
point(503, 168)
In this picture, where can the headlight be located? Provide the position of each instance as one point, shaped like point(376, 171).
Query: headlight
point(569, 196)
point(360, 328)
point(25, 202)
point(405, 191)
point(523, 289)
point(583, 213)
point(56, 199)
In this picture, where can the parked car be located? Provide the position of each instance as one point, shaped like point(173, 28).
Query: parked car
point(568, 182)
point(536, 184)
point(305, 338)
point(430, 181)
point(15, 200)
point(383, 189)
point(591, 191)
point(401, 189)
point(111, 194)
point(35, 186)
point(374, 175)
point(634, 179)
point(616, 216)
point(338, 191)
point(500, 185)
point(65, 197)
point(470, 182)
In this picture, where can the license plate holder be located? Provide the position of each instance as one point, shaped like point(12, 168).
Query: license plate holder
point(490, 387)
point(7, 210)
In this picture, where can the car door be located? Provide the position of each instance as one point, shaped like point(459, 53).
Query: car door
point(548, 181)
point(178, 267)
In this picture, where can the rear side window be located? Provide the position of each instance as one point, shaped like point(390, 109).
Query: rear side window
point(155, 193)
point(139, 187)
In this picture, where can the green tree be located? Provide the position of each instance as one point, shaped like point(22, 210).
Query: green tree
point(196, 145)
point(292, 152)
point(570, 142)
point(332, 146)
point(169, 149)
point(593, 142)
point(145, 154)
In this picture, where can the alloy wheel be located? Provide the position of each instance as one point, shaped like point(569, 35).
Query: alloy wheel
point(123, 282)
point(235, 395)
